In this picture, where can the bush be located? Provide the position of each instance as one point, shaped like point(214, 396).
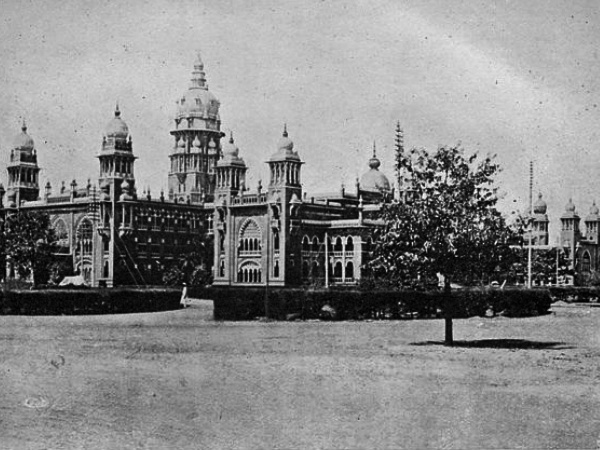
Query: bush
point(88, 301)
point(350, 304)
point(575, 294)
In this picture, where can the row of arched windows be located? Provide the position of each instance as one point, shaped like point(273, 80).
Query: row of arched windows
point(338, 270)
point(337, 245)
point(249, 274)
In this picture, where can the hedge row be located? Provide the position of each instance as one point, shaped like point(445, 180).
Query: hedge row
point(575, 294)
point(88, 301)
point(281, 304)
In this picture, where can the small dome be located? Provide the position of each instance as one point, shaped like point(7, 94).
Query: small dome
point(181, 143)
point(117, 128)
point(594, 210)
point(230, 149)
point(285, 149)
point(374, 180)
point(570, 207)
point(231, 154)
point(540, 206)
point(23, 141)
point(196, 142)
point(285, 143)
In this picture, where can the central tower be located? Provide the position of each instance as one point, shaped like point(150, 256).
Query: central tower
point(197, 142)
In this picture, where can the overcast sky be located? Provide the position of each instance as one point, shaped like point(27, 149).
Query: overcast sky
point(515, 78)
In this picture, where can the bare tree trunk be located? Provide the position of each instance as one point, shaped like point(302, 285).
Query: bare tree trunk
point(448, 312)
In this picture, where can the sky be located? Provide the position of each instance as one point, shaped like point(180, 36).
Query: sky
point(512, 78)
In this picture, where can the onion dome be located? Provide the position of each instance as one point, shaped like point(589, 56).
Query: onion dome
point(374, 180)
point(23, 141)
point(181, 143)
point(540, 206)
point(212, 147)
point(196, 144)
point(198, 100)
point(285, 148)
point(594, 215)
point(231, 153)
point(570, 207)
point(117, 128)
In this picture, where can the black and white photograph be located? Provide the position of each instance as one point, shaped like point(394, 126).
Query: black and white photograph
point(311, 224)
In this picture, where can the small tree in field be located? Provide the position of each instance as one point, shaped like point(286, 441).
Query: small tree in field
point(447, 223)
point(29, 242)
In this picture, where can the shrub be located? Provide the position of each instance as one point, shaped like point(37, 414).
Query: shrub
point(232, 303)
point(88, 301)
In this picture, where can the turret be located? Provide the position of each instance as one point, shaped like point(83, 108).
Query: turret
point(23, 170)
point(196, 142)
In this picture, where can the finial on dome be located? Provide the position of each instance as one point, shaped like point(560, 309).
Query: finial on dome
point(24, 126)
point(117, 110)
point(230, 137)
point(198, 74)
point(374, 149)
point(285, 133)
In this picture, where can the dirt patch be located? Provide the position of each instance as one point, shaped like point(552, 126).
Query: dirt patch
point(179, 380)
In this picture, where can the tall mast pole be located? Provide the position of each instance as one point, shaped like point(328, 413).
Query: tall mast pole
point(529, 249)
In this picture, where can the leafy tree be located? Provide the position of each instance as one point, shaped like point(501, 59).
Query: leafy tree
point(29, 242)
point(447, 223)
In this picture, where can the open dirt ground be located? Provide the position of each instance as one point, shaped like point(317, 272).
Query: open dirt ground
point(179, 380)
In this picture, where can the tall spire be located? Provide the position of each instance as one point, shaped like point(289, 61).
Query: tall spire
point(198, 74)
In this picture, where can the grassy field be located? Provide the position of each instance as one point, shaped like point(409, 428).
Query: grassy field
point(179, 380)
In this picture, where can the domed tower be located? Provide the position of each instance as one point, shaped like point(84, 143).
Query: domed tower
point(374, 183)
point(23, 170)
point(591, 224)
point(569, 233)
point(230, 171)
point(284, 167)
point(196, 145)
point(540, 222)
point(116, 158)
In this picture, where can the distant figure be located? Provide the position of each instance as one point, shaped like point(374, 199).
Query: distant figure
point(185, 301)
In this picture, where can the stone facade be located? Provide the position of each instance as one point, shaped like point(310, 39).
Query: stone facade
point(113, 235)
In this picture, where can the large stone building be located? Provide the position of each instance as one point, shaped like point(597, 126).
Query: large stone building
point(275, 235)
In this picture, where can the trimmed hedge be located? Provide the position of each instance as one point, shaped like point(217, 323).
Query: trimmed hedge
point(285, 303)
point(88, 301)
point(573, 294)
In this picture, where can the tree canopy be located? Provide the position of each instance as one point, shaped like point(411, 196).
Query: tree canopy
point(29, 241)
point(446, 221)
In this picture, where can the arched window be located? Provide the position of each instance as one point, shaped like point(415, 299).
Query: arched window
point(251, 235)
point(305, 244)
point(276, 269)
point(62, 234)
point(349, 271)
point(349, 244)
point(338, 245)
point(305, 269)
point(315, 269)
point(276, 241)
point(586, 262)
point(84, 234)
point(315, 244)
point(337, 271)
point(249, 272)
